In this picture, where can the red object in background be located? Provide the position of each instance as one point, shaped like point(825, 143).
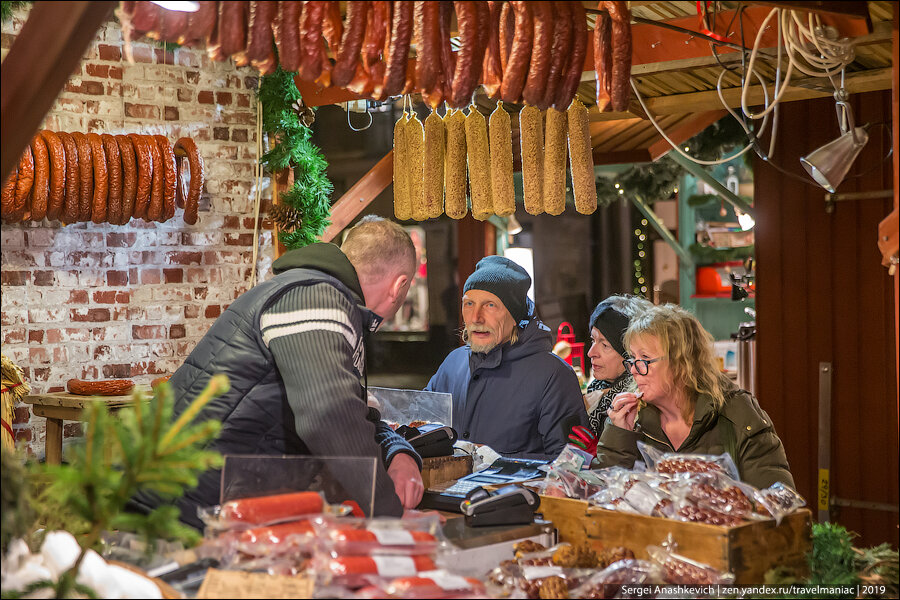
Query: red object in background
point(713, 280)
point(577, 347)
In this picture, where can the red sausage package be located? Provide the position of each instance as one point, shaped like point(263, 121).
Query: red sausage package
point(380, 536)
point(357, 571)
point(247, 513)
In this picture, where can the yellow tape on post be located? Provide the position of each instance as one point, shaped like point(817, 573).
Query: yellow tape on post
point(824, 489)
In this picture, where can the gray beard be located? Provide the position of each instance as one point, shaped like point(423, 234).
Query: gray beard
point(483, 348)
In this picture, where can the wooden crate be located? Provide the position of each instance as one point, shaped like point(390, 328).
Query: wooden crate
point(747, 550)
point(445, 468)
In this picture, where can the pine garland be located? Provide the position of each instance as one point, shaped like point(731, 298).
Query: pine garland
point(658, 180)
point(306, 207)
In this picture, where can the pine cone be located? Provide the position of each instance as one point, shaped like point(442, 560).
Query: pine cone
point(286, 217)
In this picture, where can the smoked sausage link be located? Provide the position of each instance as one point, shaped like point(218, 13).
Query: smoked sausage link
point(105, 387)
point(271, 509)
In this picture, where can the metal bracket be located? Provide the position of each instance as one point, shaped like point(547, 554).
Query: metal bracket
point(722, 191)
point(686, 259)
point(830, 199)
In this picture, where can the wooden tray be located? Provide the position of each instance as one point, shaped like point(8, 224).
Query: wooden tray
point(748, 550)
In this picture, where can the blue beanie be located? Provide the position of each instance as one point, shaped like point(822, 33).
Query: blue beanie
point(506, 280)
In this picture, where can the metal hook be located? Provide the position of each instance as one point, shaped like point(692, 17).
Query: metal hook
point(655, 44)
point(369, 124)
point(688, 41)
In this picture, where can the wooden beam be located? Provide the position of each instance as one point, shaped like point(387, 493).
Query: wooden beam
point(685, 131)
point(52, 42)
point(360, 196)
point(624, 157)
point(859, 82)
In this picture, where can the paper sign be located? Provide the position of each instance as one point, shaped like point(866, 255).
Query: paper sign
point(241, 584)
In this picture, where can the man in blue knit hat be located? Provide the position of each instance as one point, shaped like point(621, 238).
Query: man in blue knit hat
point(509, 390)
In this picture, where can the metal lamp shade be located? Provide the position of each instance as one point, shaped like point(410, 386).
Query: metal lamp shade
point(829, 164)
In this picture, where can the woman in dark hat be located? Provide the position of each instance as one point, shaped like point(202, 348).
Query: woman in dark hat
point(609, 321)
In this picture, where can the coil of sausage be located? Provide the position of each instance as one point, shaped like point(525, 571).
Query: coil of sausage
point(105, 387)
point(40, 191)
point(455, 165)
point(531, 136)
point(24, 184)
point(101, 179)
point(114, 176)
point(73, 181)
point(85, 176)
point(144, 161)
point(8, 198)
point(56, 155)
point(195, 188)
point(170, 176)
point(157, 182)
point(479, 162)
point(502, 190)
point(129, 177)
point(584, 186)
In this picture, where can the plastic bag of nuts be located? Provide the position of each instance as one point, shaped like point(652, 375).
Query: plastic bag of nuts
point(672, 463)
point(780, 500)
point(680, 570)
point(608, 582)
point(719, 493)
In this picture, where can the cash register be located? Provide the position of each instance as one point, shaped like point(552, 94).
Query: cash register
point(449, 496)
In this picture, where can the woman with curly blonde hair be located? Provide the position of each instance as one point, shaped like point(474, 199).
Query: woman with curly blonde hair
point(684, 404)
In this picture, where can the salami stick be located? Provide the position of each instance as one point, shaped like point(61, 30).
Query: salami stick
point(517, 67)
point(259, 35)
point(401, 34)
point(620, 83)
point(576, 61)
point(559, 53)
point(286, 29)
point(603, 58)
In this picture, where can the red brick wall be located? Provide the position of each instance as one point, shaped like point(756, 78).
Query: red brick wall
point(102, 301)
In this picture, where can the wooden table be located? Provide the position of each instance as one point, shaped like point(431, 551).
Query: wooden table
point(57, 407)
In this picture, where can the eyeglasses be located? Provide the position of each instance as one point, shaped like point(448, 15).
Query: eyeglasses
point(640, 365)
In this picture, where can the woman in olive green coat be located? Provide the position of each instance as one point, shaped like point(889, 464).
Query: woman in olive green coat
point(684, 404)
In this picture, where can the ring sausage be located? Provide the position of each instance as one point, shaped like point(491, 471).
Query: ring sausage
point(105, 387)
point(41, 189)
point(85, 176)
point(158, 182)
point(129, 177)
point(286, 29)
point(427, 32)
point(169, 175)
point(539, 67)
point(562, 47)
point(603, 58)
point(259, 35)
point(24, 183)
point(517, 67)
point(620, 82)
point(114, 176)
point(73, 180)
point(56, 154)
point(492, 70)
point(195, 162)
point(348, 55)
point(101, 179)
point(396, 60)
point(144, 161)
point(311, 40)
point(233, 30)
point(576, 61)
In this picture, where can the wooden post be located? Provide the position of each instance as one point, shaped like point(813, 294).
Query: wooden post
point(281, 182)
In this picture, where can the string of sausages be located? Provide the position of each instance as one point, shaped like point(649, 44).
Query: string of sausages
point(434, 163)
point(521, 52)
point(102, 178)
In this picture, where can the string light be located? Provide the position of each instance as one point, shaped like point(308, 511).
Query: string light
point(639, 286)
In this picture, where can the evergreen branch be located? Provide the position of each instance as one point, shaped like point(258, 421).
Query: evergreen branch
point(218, 385)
